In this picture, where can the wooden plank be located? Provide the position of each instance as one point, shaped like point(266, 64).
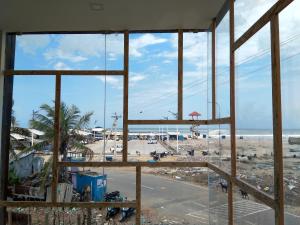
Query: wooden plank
point(261, 196)
point(219, 171)
point(56, 137)
point(232, 111)
point(138, 195)
point(222, 12)
point(8, 53)
point(275, 9)
point(132, 164)
point(225, 120)
point(180, 76)
point(141, 31)
point(213, 67)
point(26, 204)
point(65, 72)
point(232, 90)
point(9, 217)
point(125, 96)
point(277, 123)
point(230, 203)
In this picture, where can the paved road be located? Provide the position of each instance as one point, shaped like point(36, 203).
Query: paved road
point(185, 203)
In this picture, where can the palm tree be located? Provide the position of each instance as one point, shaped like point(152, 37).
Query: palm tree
point(14, 122)
point(70, 139)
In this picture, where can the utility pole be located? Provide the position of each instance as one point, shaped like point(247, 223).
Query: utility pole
point(114, 127)
point(176, 118)
point(33, 118)
point(167, 118)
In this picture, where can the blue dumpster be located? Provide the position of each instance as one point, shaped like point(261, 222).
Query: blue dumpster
point(96, 182)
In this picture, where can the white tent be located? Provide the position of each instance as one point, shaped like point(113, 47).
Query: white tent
point(98, 129)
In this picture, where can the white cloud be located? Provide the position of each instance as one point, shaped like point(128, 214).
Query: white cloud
point(137, 78)
point(31, 43)
point(55, 54)
point(61, 66)
point(167, 61)
point(115, 82)
point(81, 47)
point(137, 44)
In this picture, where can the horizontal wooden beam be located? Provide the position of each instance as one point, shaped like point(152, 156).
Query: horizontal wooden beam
point(111, 31)
point(25, 204)
point(225, 120)
point(219, 171)
point(180, 122)
point(65, 72)
point(262, 21)
point(259, 195)
point(132, 164)
point(222, 12)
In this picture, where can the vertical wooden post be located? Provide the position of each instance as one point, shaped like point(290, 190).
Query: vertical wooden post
point(277, 122)
point(232, 111)
point(7, 62)
point(46, 218)
point(180, 75)
point(56, 137)
point(138, 195)
point(9, 217)
point(125, 96)
point(213, 67)
point(79, 219)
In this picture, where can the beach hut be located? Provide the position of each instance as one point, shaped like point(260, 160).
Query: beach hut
point(195, 114)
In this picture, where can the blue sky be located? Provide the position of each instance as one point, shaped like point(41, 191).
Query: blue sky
point(153, 73)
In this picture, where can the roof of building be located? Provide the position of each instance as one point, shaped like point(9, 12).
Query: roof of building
point(113, 15)
point(36, 132)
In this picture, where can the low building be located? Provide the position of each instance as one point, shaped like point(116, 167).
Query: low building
point(26, 164)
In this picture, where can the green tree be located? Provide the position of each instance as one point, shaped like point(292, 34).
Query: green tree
point(71, 121)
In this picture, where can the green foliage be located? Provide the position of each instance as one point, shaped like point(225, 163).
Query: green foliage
point(71, 121)
point(13, 179)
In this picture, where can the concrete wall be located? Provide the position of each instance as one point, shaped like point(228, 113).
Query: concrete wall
point(23, 167)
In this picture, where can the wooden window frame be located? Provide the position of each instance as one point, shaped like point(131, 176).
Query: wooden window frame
point(276, 202)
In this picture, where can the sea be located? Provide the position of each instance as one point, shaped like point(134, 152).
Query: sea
point(215, 131)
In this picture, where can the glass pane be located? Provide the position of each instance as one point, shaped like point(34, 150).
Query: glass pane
point(174, 196)
point(70, 52)
point(222, 69)
point(249, 210)
point(195, 68)
point(69, 215)
point(31, 138)
point(92, 118)
point(167, 143)
point(290, 81)
point(219, 145)
point(247, 12)
point(218, 199)
point(96, 184)
point(153, 76)
point(254, 112)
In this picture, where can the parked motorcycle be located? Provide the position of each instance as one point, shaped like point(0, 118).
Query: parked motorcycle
point(126, 213)
point(111, 212)
point(113, 196)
